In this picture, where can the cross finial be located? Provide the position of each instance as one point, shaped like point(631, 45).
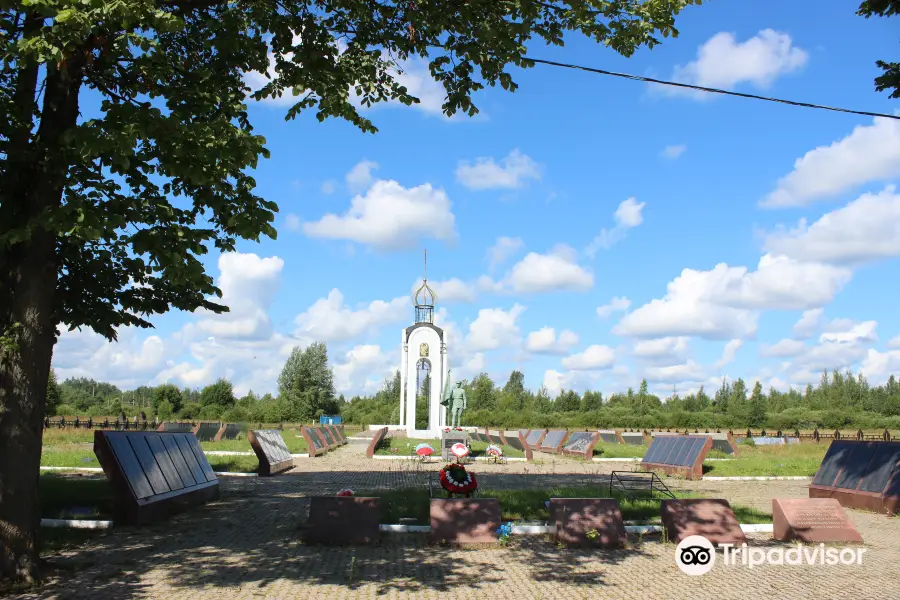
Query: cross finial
point(425, 267)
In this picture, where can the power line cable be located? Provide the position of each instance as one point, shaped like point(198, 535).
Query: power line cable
point(708, 89)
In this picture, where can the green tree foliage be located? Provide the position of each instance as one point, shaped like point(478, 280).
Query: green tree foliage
point(164, 410)
point(54, 396)
point(220, 393)
point(567, 401)
point(103, 221)
point(167, 393)
point(306, 386)
point(889, 81)
point(756, 412)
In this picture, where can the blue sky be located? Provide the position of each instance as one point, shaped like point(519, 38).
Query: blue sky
point(587, 230)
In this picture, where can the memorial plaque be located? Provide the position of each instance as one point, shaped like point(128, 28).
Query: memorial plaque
point(206, 431)
point(635, 438)
point(812, 520)
point(228, 431)
point(448, 438)
point(554, 440)
point(329, 438)
point(535, 437)
point(337, 520)
point(723, 442)
point(376, 442)
point(175, 427)
point(581, 444)
point(314, 443)
point(711, 518)
point(495, 437)
point(610, 436)
point(677, 455)
point(464, 520)
point(516, 439)
point(154, 474)
point(337, 434)
point(860, 474)
point(575, 517)
point(269, 447)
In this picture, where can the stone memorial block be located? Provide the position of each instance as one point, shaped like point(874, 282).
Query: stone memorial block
point(448, 438)
point(723, 442)
point(812, 520)
point(206, 431)
point(270, 449)
point(465, 520)
point(154, 474)
point(634, 438)
point(327, 437)
point(228, 431)
point(375, 443)
point(517, 439)
point(337, 434)
point(864, 475)
point(554, 440)
point(335, 520)
point(581, 444)
point(535, 437)
point(677, 455)
point(496, 438)
point(610, 436)
point(313, 442)
point(575, 517)
point(479, 436)
point(170, 427)
point(711, 518)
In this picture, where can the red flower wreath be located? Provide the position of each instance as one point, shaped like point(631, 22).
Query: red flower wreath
point(456, 480)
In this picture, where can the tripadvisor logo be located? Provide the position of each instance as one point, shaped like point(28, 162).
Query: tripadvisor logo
point(695, 555)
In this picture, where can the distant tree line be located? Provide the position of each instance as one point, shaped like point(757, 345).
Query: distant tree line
point(306, 391)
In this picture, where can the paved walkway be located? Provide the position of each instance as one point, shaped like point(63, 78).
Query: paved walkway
point(245, 546)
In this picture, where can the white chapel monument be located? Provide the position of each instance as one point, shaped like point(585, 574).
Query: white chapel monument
point(423, 352)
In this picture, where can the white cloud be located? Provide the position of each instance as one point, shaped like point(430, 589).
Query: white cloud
point(783, 348)
point(673, 152)
point(545, 341)
point(689, 371)
point(128, 363)
point(494, 328)
point(364, 367)
point(537, 273)
point(617, 304)
point(504, 249)
point(360, 176)
point(729, 352)
point(627, 216)
point(329, 320)
point(390, 217)
point(866, 229)
point(894, 342)
point(871, 153)
point(723, 62)
point(851, 333)
point(662, 349)
point(292, 222)
point(724, 302)
point(808, 322)
point(878, 366)
point(450, 290)
point(486, 174)
point(249, 284)
point(593, 358)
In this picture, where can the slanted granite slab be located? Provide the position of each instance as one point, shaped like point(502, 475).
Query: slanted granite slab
point(338, 521)
point(581, 444)
point(575, 517)
point(314, 443)
point(464, 520)
point(711, 518)
point(812, 520)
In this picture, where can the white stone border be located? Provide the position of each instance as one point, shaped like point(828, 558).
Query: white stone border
point(76, 523)
point(538, 529)
point(761, 478)
point(476, 458)
point(624, 459)
point(86, 469)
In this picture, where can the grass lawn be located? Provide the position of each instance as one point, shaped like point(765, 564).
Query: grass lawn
point(605, 450)
point(784, 461)
point(528, 505)
point(89, 495)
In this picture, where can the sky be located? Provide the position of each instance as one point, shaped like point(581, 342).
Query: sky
point(586, 230)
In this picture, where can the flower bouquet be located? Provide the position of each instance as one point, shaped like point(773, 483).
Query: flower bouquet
point(346, 492)
point(495, 453)
point(456, 480)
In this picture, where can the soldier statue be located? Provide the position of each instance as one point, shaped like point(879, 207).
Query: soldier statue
point(455, 400)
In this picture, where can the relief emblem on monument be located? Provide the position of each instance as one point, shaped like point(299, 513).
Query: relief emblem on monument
point(423, 350)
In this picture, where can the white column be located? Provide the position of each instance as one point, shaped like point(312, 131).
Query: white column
point(411, 374)
point(404, 350)
point(442, 410)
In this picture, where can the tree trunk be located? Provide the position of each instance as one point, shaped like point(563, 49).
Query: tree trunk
point(31, 186)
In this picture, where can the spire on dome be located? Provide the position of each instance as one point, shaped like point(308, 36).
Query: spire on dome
point(425, 298)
